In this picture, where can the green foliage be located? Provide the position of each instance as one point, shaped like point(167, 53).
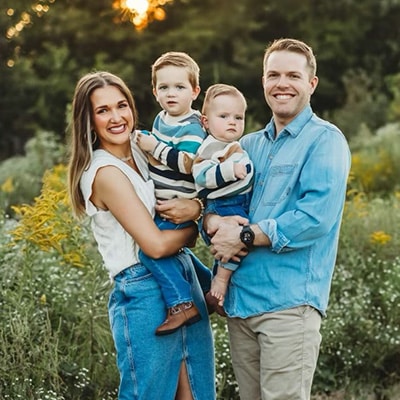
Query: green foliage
point(38, 77)
point(393, 82)
point(227, 387)
point(54, 331)
point(55, 340)
point(20, 177)
point(361, 335)
point(375, 160)
point(365, 106)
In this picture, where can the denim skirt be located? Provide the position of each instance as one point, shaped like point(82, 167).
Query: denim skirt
point(148, 364)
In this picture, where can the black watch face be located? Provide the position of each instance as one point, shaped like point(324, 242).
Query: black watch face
point(247, 237)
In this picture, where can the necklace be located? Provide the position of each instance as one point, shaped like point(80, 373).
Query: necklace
point(125, 158)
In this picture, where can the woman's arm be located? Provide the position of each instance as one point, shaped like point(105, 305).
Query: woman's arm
point(113, 191)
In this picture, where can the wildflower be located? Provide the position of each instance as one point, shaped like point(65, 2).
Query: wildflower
point(380, 237)
point(7, 186)
point(48, 223)
point(43, 299)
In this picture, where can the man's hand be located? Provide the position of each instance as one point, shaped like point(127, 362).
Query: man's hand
point(212, 222)
point(225, 232)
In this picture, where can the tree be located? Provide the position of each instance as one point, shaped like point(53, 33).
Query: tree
point(226, 38)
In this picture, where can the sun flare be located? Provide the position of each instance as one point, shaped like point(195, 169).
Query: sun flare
point(138, 6)
point(141, 12)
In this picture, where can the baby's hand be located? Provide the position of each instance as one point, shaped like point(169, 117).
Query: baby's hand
point(240, 171)
point(146, 141)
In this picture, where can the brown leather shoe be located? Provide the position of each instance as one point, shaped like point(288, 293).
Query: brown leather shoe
point(178, 316)
point(209, 303)
point(212, 305)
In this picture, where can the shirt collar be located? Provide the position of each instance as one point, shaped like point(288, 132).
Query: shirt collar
point(294, 127)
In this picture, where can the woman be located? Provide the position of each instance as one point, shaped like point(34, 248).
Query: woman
point(108, 180)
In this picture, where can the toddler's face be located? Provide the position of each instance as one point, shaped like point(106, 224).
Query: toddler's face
point(174, 91)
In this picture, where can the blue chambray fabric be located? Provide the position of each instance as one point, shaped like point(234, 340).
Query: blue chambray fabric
point(298, 196)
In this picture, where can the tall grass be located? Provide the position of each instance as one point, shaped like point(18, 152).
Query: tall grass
point(55, 341)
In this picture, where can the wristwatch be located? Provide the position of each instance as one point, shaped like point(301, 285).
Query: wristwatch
point(247, 236)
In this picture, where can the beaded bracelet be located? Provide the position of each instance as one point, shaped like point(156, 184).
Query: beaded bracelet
point(200, 201)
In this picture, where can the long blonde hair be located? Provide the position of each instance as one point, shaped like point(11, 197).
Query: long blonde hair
point(82, 138)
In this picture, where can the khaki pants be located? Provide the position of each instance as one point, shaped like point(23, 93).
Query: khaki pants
point(274, 355)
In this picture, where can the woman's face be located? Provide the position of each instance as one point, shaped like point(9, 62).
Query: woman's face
point(112, 117)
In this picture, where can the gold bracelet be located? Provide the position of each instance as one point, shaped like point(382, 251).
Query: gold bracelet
point(200, 201)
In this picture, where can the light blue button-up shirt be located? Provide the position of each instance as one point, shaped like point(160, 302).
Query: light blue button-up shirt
point(298, 197)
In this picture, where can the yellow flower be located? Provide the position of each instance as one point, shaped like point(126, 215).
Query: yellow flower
point(7, 186)
point(43, 299)
point(48, 223)
point(380, 237)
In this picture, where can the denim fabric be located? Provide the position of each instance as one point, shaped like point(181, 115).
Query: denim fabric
point(168, 273)
point(226, 206)
point(297, 201)
point(149, 364)
point(235, 205)
point(204, 274)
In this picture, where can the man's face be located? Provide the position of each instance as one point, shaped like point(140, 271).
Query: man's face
point(287, 85)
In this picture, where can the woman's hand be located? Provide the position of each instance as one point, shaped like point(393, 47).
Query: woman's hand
point(179, 210)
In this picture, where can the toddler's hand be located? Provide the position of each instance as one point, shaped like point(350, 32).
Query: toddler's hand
point(240, 171)
point(146, 141)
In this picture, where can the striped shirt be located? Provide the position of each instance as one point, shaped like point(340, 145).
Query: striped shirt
point(213, 169)
point(170, 164)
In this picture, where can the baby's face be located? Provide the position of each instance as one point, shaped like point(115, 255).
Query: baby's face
point(226, 118)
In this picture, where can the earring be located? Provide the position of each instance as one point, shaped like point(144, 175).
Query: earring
point(94, 136)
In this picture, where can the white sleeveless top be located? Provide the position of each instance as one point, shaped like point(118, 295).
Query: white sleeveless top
point(115, 245)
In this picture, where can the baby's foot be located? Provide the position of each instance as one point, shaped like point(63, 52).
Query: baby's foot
point(218, 289)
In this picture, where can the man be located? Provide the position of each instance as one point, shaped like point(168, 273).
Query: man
point(277, 296)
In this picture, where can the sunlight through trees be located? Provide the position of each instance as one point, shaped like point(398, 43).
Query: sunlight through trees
point(141, 12)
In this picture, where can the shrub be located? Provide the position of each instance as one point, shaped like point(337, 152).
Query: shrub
point(361, 335)
point(54, 335)
point(54, 331)
point(365, 105)
point(55, 341)
point(21, 176)
point(375, 161)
